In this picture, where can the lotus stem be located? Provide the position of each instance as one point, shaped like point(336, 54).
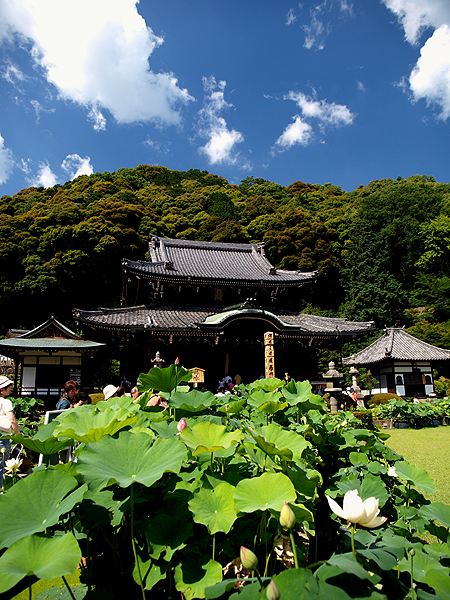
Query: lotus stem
point(412, 552)
point(294, 548)
point(214, 546)
point(132, 539)
point(352, 529)
point(67, 586)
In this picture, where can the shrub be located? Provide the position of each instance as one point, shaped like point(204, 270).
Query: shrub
point(378, 399)
point(365, 416)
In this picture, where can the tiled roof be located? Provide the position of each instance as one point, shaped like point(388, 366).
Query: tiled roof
point(173, 259)
point(51, 336)
point(46, 344)
point(203, 318)
point(396, 344)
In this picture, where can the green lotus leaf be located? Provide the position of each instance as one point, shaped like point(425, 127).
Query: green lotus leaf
point(91, 426)
point(209, 437)
point(271, 448)
point(234, 407)
point(268, 385)
point(299, 393)
point(129, 458)
point(163, 380)
point(151, 573)
point(348, 564)
point(50, 445)
point(214, 508)
point(259, 397)
point(270, 490)
point(283, 438)
point(169, 531)
point(192, 577)
point(415, 475)
point(383, 559)
point(270, 408)
point(44, 557)
point(436, 511)
point(193, 401)
point(36, 503)
point(422, 564)
point(370, 486)
point(438, 580)
point(165, 429)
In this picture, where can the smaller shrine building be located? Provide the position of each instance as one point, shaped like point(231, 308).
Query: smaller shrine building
point(401, 363)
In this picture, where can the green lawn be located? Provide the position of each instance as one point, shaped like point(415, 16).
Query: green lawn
point(429, 449)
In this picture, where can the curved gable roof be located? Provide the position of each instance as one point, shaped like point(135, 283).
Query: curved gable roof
point(396, 344)
point(174, 259)
point(211, 318)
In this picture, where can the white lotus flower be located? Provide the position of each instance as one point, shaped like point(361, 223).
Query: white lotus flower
point(392, 472)
point(356, 511)
point(12, 465)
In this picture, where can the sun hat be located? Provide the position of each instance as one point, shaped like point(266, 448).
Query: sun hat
point(4, 382)
point(109, 391)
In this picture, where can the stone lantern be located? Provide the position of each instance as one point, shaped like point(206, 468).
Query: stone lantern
point(157, 361)
point(333, 378)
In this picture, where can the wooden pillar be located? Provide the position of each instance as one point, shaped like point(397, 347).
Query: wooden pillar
point(269, 355)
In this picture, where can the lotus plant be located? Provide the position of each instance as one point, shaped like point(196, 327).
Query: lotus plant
point(287, 521)
point(357, 512)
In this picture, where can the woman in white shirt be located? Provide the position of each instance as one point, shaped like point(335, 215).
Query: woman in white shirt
point(8, 423)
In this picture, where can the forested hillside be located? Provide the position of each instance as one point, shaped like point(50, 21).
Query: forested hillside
point(382, 251)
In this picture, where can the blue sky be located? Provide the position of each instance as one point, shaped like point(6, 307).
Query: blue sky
point(333, 91)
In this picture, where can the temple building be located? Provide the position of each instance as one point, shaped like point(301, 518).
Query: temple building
point(401, 363)
point(210, 304)
point(47, 356)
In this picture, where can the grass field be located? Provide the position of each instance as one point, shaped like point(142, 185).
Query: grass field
point(429, 449)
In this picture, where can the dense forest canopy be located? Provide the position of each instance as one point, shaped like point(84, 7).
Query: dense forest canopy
point(382, 251)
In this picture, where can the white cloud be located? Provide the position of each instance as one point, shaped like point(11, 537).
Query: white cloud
point(430, 77)
point(418, 15)
point(75, 166)
point(222, 141)
point(319, 28)
point(96, 54)
point(361, 87)
point(290, 17)
point(6, 161)
point(328, 115)
point(45, 177)
point(325, 114)
point(298, 132)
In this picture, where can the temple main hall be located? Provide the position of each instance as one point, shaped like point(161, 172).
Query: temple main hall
point(210, 304)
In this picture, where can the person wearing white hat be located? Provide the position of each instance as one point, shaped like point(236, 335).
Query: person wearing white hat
point(110, 390)
point(8, 422)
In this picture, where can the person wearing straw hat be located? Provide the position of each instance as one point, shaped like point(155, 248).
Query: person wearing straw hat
point(8, 423)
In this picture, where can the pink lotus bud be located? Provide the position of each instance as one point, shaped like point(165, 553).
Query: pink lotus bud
point(248, 559)
point(177, 361)
point(181, 425)
point(287, 517)
point(272, 591)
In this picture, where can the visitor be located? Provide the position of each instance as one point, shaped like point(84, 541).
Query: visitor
point(110, 391)
point(80, 399)
point(126, 385)
point(237, 379)
point(8, 423)
point(135, 393)
point(70, 389)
